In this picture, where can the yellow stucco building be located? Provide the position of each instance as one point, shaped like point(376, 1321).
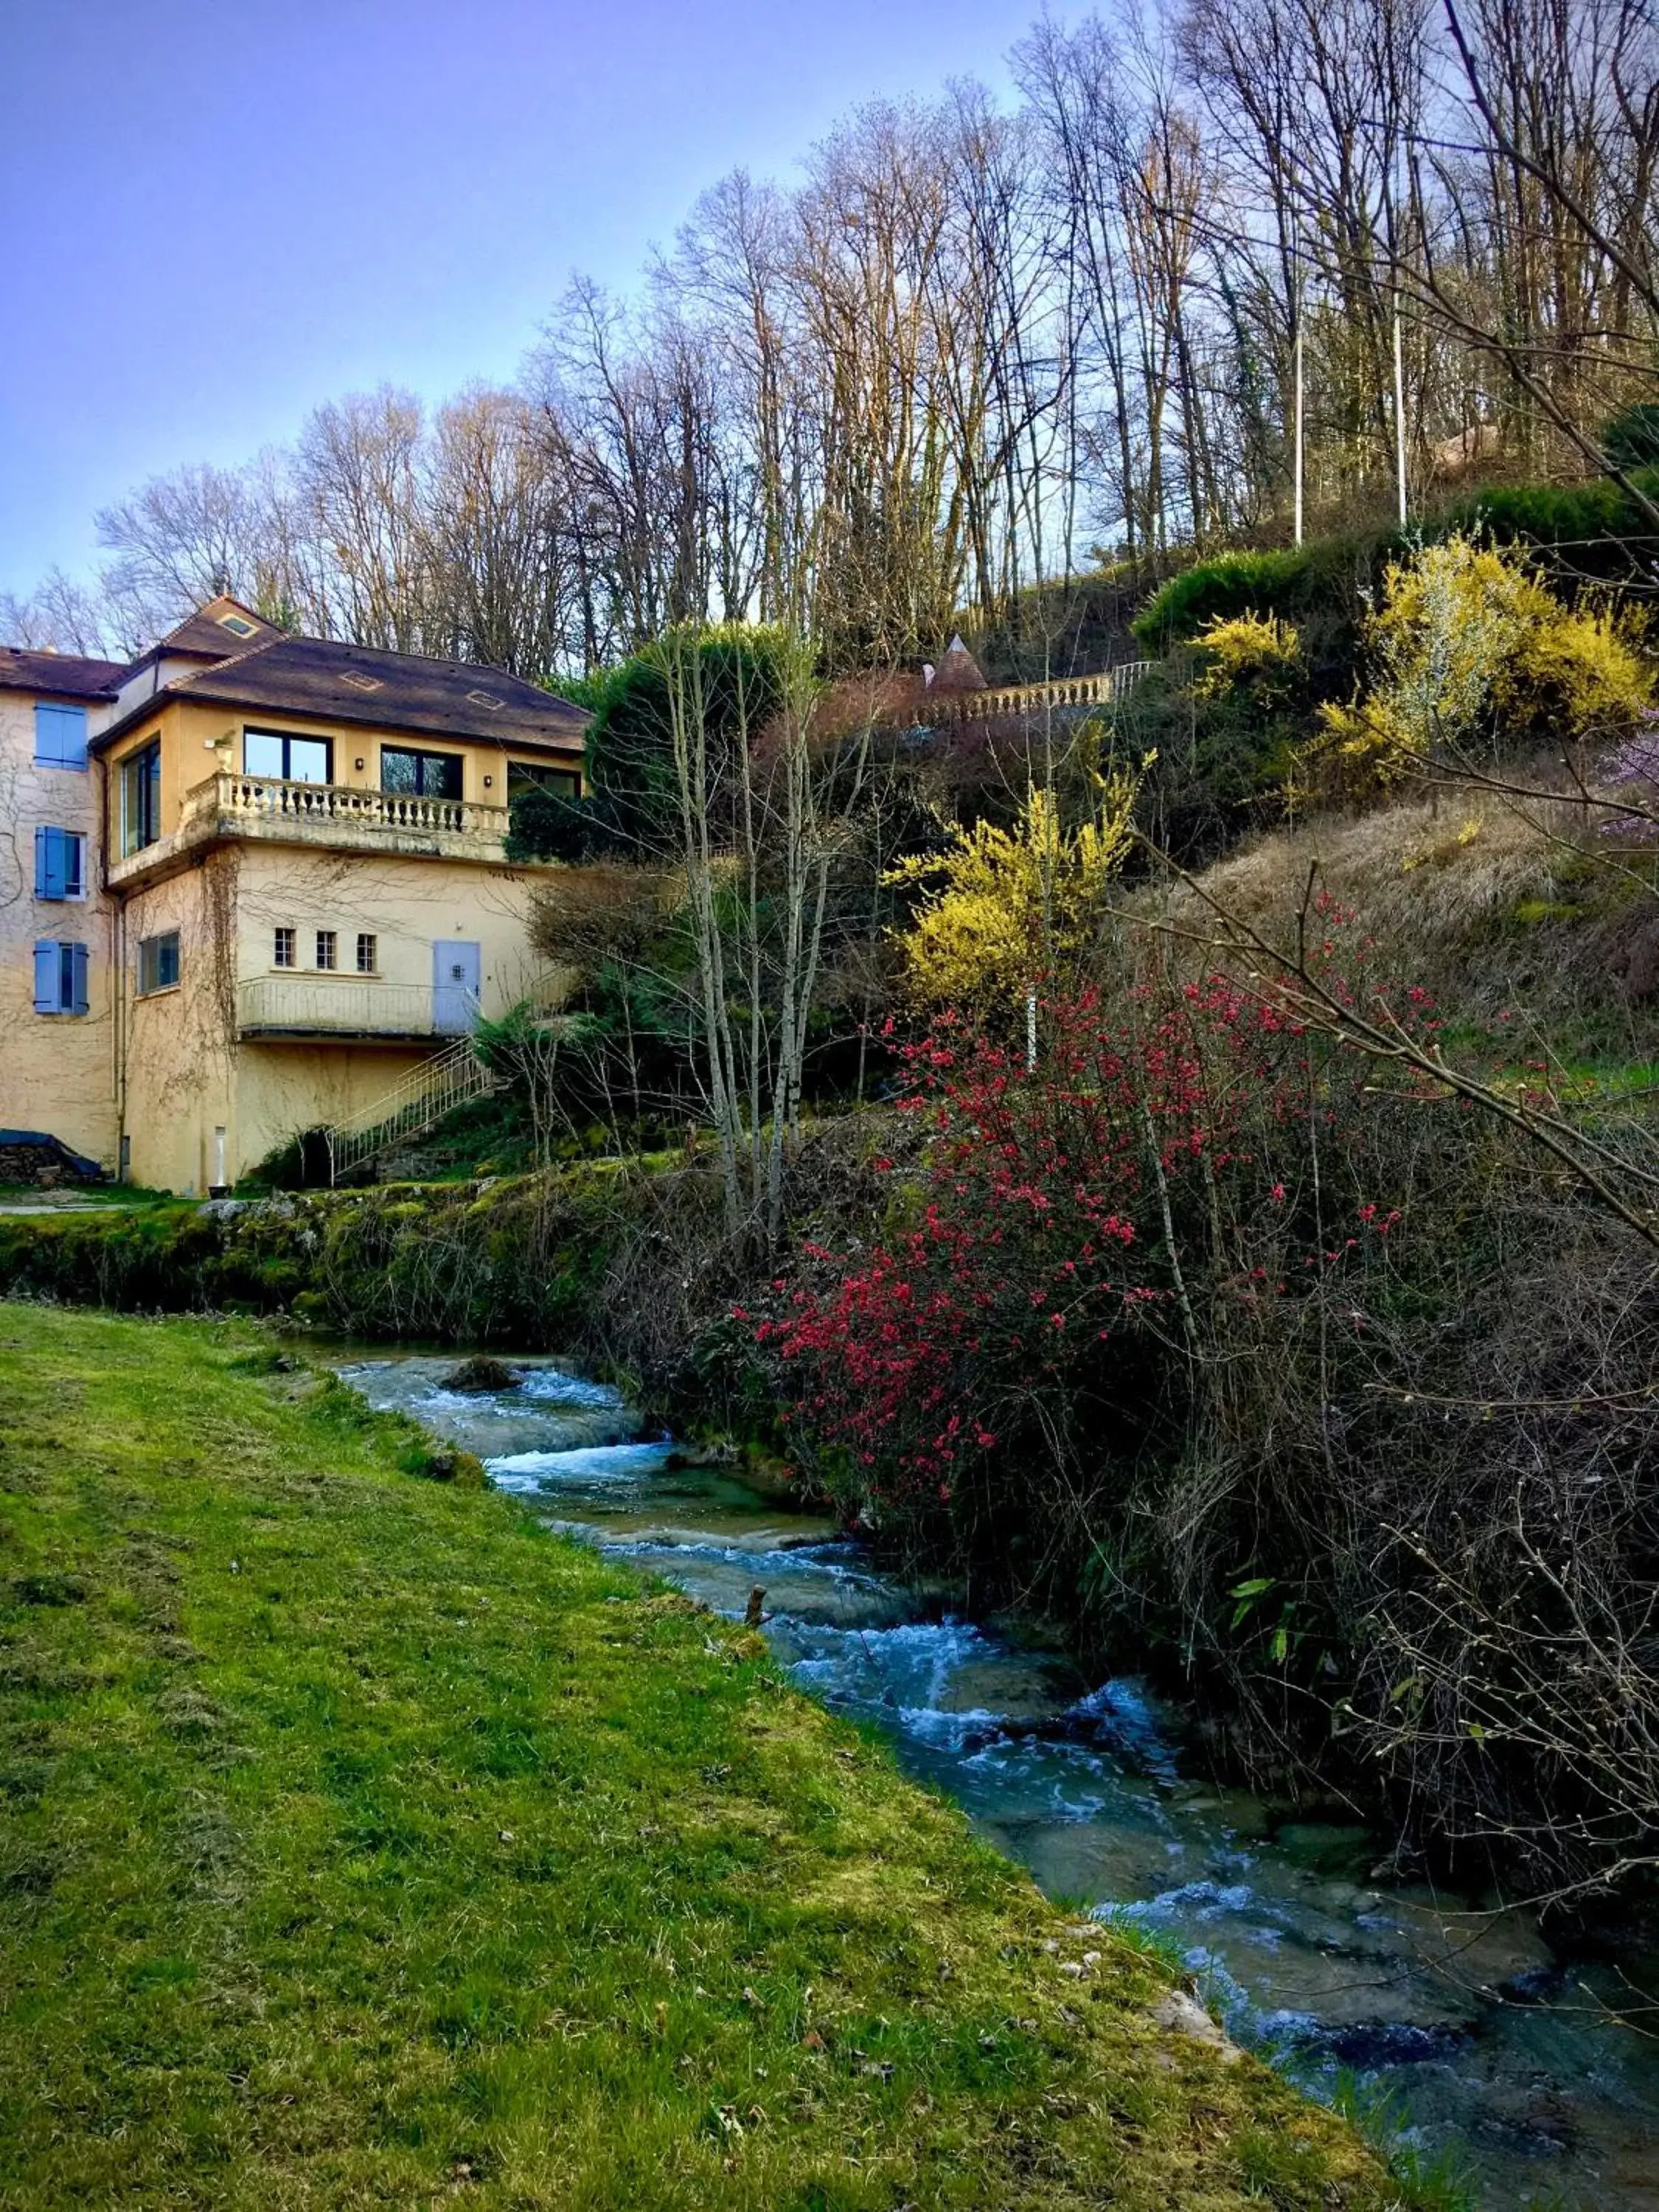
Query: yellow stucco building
point(251, 885)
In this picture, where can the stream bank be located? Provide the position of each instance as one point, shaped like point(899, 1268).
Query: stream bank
point(1493, 2052)
point(363, 1842)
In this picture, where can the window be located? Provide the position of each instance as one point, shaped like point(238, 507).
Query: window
point(238, 625)
point(60, 978)
point(285, 948)
point(141, 797)
point(422, 775)
point(158, 962)
point(60, 863)
point(288, 760)
point(60, 736)
point(368, 948)
point(528, 775)
point(327, 945)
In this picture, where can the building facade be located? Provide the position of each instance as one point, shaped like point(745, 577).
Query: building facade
point(251, 883)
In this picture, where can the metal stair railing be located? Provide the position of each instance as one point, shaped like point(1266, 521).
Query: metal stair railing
point(423, 1097)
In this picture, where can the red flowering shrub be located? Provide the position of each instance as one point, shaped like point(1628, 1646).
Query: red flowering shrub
point(1044, 1271)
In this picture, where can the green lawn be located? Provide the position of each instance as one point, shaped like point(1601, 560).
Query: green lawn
point(364, 1843)
point(79, 1197)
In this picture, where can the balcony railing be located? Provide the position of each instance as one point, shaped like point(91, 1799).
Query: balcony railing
point(346, 1006)
point(266, 799)
point(344, 815)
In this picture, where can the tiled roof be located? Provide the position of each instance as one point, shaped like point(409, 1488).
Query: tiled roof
point(330, 681)
point(204, 635)
point(958, 670)
point(57, 675)
point(320, 677)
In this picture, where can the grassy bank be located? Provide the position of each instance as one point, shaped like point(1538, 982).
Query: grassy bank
point(363, 1843)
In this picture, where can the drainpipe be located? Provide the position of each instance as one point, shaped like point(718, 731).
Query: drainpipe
point(118, 964)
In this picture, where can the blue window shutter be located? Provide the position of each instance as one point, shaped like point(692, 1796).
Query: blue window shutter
point(51, 863)
point(78, 979)
point(47, 980)
point(60, 735)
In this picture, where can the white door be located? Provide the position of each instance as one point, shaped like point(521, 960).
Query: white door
point(456, 967)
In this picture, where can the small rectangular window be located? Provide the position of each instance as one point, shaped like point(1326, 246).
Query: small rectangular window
point(141, 797)
point(60, 863)
point(285, 948)
point(287, 759)
point(158, 962)
point(60, 977)
point(60, 736)
point(368, 947)
point(327, 946)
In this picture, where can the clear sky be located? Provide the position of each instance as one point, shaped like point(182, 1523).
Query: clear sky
point(213, 217)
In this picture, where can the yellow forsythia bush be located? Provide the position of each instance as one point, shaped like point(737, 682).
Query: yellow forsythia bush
point(1001, 908)
point(1256, 652)
point(1469, 646)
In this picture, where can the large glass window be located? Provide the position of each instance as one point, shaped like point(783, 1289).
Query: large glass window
point(141, 797)
point(422, 775)
point(158, 962)
point(286, 759)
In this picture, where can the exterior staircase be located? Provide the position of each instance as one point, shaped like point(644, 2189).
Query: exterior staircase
point(423, 1097)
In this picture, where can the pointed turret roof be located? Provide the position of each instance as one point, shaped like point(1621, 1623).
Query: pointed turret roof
point(958, 670)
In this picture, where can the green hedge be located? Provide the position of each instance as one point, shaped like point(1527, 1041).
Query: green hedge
point(1592, 533)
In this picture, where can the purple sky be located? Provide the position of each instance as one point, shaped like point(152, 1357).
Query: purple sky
point(213, 217)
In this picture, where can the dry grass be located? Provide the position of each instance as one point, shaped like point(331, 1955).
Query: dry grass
point(1508, 911)
point(1421, 875)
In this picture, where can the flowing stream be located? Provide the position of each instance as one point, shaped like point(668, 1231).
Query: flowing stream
point(1495, 2056)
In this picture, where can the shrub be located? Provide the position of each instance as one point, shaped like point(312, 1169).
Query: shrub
point(1631, 440)
point(1226, 588)
point(1219, 724)
point(1630, 773)
point(1579, 674)
point(1585, 533)
point(1001, 907)
point(737, 673)
point(1300, 1380)
point(1470, 650)
point(1045, 1228)
point(1260, 655)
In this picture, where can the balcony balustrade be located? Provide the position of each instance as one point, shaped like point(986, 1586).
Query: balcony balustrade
point(322, 1006)
point(344, 818)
